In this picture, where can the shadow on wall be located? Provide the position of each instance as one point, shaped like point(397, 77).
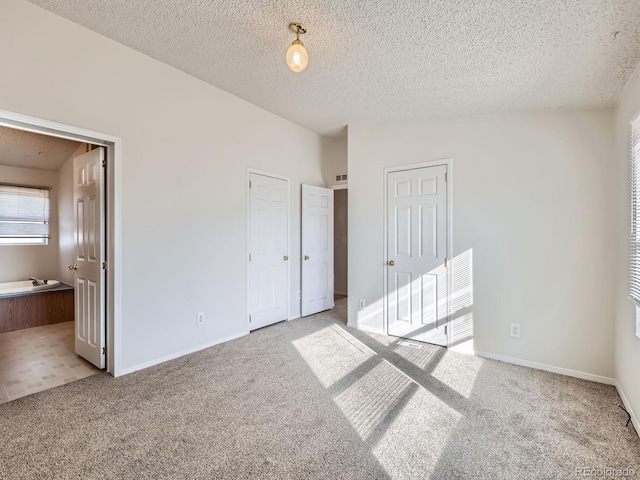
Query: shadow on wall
point(461, 306)
point(457, 279)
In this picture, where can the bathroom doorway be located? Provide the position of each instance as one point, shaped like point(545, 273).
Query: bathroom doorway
point(57, 257)
point(38, 293)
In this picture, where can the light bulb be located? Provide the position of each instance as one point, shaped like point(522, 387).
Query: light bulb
point(297, 56)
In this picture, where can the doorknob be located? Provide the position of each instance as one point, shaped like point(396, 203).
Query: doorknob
point(73, 267)
point(306, 257)
point(391, 263)
point(285, 258)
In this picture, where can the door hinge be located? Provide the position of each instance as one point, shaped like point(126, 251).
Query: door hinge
point(446, 176)
point(446, 330)
point(104, 350)
point(249, 318)
point(445, 261)
point(104, 265)
point(104, 163)
point(249, 183)
point(249, 257)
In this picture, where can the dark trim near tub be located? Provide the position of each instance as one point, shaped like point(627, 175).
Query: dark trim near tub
point(35, 309)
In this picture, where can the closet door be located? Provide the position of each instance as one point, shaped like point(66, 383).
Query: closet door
point(416, 254)
point(268, 250)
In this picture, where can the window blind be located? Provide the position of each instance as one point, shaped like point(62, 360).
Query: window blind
point(634, 268)
point(24, 213)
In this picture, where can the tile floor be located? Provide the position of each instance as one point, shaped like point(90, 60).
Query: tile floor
point(39, 358)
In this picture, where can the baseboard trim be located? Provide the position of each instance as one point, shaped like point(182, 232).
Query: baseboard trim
point(293, 318)
point(627, 405)
point(166, 358)
point(548, 368)
point(364, 328)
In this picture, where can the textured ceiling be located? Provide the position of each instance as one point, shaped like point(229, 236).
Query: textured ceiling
point(385, 61)
point(31, 150)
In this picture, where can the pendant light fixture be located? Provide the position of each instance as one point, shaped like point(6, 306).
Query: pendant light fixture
point(297, 56)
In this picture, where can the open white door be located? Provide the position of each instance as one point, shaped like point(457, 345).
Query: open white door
point(317, 249)
point(417, 296)
point(268, 250)
point(88, 201)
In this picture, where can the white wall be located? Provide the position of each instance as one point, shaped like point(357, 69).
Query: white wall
point(334, 159)
point(19, 262)
point(186, 150)
point(66, 219)
point(532, 202)
point(627, 355)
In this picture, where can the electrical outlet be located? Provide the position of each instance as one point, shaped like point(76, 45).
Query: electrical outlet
point(361, 304)
point(515, 330)
point(200, 318)
point(299, 295)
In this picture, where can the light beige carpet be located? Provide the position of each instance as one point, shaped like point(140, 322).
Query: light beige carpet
point(312, 399)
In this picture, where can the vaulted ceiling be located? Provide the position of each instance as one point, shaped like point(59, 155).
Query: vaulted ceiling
point(385, 61)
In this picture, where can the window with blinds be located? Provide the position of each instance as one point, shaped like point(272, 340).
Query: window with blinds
point(24, 215)
point(634, 247)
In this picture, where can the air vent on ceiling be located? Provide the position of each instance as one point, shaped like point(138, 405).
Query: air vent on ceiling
point(341, 178)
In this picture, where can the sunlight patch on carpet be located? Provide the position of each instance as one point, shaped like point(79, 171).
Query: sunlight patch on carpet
point(332, 354)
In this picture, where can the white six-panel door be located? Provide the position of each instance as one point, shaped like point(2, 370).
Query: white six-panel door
point(317, 249)
point(416, 253)
point(88, 193)
point(268, 250)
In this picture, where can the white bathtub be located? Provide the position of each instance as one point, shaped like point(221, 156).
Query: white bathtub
point(25, 286)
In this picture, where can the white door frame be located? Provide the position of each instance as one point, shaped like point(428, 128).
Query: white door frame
point(435, 163)
point(279, 177)
point(113, 176)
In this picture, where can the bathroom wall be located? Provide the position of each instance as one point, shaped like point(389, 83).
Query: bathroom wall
point(66, 222)
point(19, 262)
